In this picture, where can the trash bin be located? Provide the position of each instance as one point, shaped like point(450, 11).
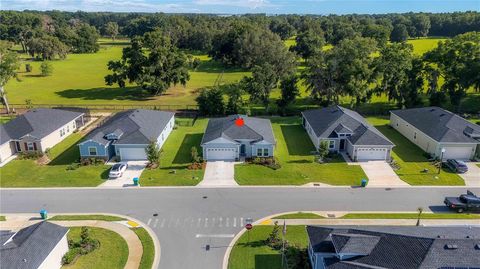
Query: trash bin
point(364, 182)
point(135, 181)
point(43, 214)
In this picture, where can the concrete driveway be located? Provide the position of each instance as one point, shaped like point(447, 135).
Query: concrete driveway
point(380, 174)
point(472, 177)
point(135, 169)
point(219, 174)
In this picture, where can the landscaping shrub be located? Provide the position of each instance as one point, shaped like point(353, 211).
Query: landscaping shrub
point(82, 247)
point(31, 155)
point(154, 152)
point(73, 166)
point(297, 257)
point(70, 256)
point(91, 161)
point(273, 239)
point(270, 162)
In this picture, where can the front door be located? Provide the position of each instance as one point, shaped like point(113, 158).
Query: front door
point(242, 150)
point(342, 144)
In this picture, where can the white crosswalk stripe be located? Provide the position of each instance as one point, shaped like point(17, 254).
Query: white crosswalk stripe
point(155, 224)
point(148, 222)
point(162, 224)
point(235, 222)
point(206, 222)
point(220, 222)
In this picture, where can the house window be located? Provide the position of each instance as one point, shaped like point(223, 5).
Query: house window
point(342, 135)
point(17, 146)
point(92, 151)
point(30, 146)
point(259, 152)
point(265, 152)
point(415, 136)
point(62, 132)
point(331, 144)
point(68, 128)
point(74, 125)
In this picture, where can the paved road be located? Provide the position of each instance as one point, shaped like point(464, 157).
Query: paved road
point(190, 218)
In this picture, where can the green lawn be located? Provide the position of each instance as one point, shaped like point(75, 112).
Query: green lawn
point(420, 46)
point(112, 253)
point(412, 160)
point(148, 248)
point(410, 216)
point(86, 217)
point(176, 157)
point(299, 215)
point(250, 251)
point(2, 218)
point(294, 151)
point(27, 173)
point(4, 119)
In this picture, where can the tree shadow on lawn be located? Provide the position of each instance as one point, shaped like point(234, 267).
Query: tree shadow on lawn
point(110, 94)
point(183, 154)
point(297, 141)
point(212, 66)
point(265, 261)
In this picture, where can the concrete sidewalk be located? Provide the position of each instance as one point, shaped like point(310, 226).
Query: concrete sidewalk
point(380, 222)
point(135, 248)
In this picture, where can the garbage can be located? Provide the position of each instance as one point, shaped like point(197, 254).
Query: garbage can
point(135, 181)
point(364, 182)
point(43, 214)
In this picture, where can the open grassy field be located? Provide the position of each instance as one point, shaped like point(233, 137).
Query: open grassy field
point(251, 252)
point(412, 160)
point(27, 173)
point(112, 253)
point(176, 157)
point(294, 152)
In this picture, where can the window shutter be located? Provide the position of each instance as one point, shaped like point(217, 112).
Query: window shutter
point(34, 146)
point(26, 145)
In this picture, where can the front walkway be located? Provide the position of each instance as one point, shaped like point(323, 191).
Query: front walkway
point(219, 174)
point(135, 169)
point(472, 177)
point(380, 174)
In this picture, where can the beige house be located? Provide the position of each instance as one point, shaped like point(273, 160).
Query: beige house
point(434, 130)
point(39, 246)
point(37, 130)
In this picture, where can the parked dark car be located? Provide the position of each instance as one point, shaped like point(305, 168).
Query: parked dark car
point(456, 166)
point(465, 202)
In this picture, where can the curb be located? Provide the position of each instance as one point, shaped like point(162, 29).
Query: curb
point(156, 242)
point(241, 187)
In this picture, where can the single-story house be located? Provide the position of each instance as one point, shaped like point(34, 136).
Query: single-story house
point(434, 128)
point(346, 131)
point(127, 134)
point(232, 137)
point(39, 246)
point(37, 130)
point(393, 247)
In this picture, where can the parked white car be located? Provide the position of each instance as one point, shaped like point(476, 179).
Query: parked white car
point(117, 170)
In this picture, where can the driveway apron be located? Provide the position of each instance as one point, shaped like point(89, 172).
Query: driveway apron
point(380, 174)
point(472, 177)
point(135, 169)
point(219, 173)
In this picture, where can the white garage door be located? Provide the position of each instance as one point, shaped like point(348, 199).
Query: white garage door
point(221, 154)
point(133, 154)
point(367, 154)
point(462, 153)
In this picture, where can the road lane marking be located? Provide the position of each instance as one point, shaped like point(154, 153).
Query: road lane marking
point(162, 224)
point(206, 222)
point(235, 222)
point(155, 224)
point(241, 222)
point(220, 222)
point(149, 220)
point(214, 235)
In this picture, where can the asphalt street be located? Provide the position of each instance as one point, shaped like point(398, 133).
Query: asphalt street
point(188, 219)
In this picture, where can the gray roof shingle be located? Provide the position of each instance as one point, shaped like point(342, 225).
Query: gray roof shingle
point(254, 129)
point(328, 121)
point(439, 124)
point(398, 247)
point(137, 126)
point(38, 122)
point(29, 247)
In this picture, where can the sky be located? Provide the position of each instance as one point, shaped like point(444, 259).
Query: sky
point(248, 6)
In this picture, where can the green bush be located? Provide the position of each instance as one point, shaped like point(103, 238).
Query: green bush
point(28, 68)
point(46, 69)
point(73, 166)
point(70, 256)
point(30, 155)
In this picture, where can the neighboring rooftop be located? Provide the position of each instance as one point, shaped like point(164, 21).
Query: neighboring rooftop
point(29, 247)
point(440, 124)
point(38, 123)
point(256, 129)
point(137, 126)
point(397, 247)
point(330, 121)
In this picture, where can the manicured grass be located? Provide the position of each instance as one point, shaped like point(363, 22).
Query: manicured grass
point(420, 46)
point(112, 253)
point(294, 151)
point(299, 215)
point(87, 217)
point(27, 173)
point(5, 119)
point(176, 157)
point(412, 160)
point(148, 248)
point(410, 216)
point(251, 252)
point(2, 218)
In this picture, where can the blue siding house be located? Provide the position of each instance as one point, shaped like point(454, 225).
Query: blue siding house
point(127, 134)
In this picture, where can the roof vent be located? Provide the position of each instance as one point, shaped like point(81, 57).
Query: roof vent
point(433, 109)
point(451, 246)
point(440, 236)
point(443, 114)
point(477, 246)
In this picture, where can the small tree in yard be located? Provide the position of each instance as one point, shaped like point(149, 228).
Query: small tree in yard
point(194, 154)
point(154, 153)
point(323, 150)
point(46, 69)
point(273, 239)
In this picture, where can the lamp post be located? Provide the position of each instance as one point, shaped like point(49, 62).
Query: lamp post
point(441, 160)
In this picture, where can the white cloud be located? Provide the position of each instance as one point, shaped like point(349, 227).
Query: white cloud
point(253, 4)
